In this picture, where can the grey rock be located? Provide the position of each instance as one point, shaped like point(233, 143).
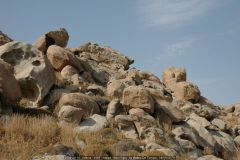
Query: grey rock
point(31, 69)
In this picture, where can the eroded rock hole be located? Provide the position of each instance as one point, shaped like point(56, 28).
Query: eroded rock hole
point(36, 63)
point(13, 57)
point(29, 89)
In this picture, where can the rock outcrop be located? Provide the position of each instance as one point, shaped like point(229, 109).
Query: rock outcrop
point(94, 89)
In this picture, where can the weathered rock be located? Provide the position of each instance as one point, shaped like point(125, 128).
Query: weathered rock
point(57, 37)
point(68, 71)
point(96, 89)
point(146, 125)
point(61, 57)
point(237, 141)
point(201, 121)
point(103, 62)
point(138, 97)
point(189, 148)
point(209, 112)
point(209, 157)
point(94, 123)
point(174, 113)
point(173, 75)
point(187, 91)
point(115, 88)
point(31, 69)
point(226, 144)
point(220, 124)
point(126, 125)
point(149, 76)
point(4, 38)
point(80, 100)
point(114, 108)
point(184, 132)
point(105, 56)
point(205, 136)
point(70, 114)
point(9, 86)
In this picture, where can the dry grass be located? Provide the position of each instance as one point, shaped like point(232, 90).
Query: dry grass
point(23, 137)
point(100, 143)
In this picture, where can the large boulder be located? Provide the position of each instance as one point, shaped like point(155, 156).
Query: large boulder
point(4, 38)
point(32, 69)
point(9, 86)
point(105, 56)
point(138, 97)
point(80, 100)
point(187, 91)
point(60, 57)
point(171, 76)
point(175, 114)
point(57, 37)
point(102, 62)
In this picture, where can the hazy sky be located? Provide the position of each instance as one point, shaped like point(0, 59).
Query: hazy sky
point(201, 35)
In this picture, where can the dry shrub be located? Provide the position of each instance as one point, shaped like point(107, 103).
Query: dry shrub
point(22, 137)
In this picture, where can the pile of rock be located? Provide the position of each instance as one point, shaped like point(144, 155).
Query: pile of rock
point(93, 87)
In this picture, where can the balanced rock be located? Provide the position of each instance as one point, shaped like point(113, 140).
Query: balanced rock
point(138, 97)
point(57, 37)
point(173, 75)
point(32, 69)
point(60, 57)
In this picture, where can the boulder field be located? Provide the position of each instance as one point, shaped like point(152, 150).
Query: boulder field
point(93, 87)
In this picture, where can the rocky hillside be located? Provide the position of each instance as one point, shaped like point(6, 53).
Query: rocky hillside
point(64, 103)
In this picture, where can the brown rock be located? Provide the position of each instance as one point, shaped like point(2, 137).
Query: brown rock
point(138, 97)
point(187, 91)
point(60, 57)
point(4, 38)
point(115, 88)
point(9, 86)
point(58, 37)
point(80, 100)
point(173, 112)
point(70, 114)
point(173, 75)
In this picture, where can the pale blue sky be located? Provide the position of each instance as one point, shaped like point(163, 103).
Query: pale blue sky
point(201, 35)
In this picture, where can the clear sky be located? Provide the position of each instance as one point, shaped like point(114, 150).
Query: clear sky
point(201, 35)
